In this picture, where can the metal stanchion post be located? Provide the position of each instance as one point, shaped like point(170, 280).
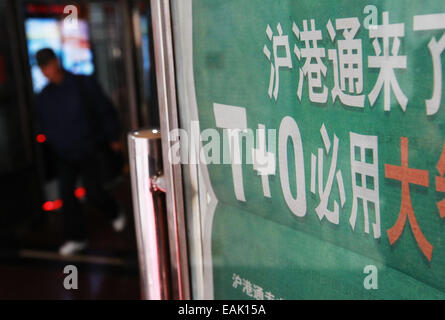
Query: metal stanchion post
point(145, 152)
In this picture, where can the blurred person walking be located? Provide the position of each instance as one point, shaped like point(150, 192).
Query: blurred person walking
point(81, 127)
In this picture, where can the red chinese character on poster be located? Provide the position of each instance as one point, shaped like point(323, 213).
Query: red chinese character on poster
point(408, 176)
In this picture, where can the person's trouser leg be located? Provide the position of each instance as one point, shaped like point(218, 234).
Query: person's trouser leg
point(96, 193)
point(73, 218)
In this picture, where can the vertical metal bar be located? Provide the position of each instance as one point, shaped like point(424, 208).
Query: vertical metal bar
point(149, 212)
point(129, 65)
point(165, 76)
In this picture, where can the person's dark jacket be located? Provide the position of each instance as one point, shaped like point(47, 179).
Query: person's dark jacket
point(76, 117)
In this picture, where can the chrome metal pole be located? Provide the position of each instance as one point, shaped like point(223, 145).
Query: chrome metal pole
point(168, 113)
point(146, 165)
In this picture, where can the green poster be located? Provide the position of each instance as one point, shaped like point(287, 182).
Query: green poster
point(342, 100)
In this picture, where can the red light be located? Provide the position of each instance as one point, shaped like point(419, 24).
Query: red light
point(45, 9)
point(80, 193)
point(57, 204)
point(41, 138)
point(50, 206)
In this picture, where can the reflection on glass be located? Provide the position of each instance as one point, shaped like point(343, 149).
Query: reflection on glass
point(72, 46)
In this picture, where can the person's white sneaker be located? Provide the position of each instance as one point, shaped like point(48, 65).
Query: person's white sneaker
point(119, 223)
point(72, 247)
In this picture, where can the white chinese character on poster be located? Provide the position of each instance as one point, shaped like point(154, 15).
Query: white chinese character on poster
point(278, 41)
point(387, 60)
point(269, 296)
point(237, 281)
point(258, 293)
point(433, 22)
point(347, 63)
point(313, 66)
point(365, 179)
point(247, 287)
point(251, 289)
point(325, 190)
